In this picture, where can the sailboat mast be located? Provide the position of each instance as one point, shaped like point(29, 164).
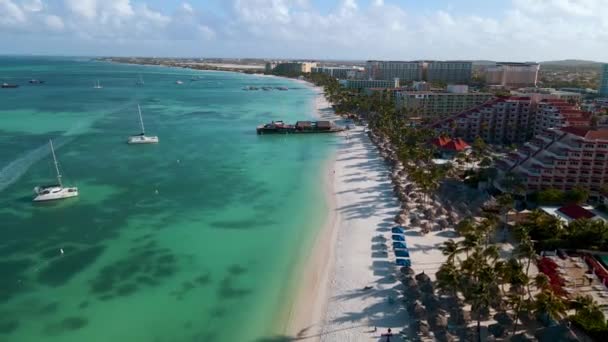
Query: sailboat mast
point(141, 121)
point(56, 164)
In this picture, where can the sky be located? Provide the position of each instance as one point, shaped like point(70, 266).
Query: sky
point(506, 30)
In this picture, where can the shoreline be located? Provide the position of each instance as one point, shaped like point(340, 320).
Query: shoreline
point(308, 309)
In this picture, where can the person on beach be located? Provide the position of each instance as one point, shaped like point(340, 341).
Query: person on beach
point(388, 335)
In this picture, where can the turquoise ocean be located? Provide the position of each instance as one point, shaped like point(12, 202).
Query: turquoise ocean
point(198, 238)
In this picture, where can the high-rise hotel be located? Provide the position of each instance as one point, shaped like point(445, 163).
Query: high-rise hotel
point(432, 71)
point(604, 81)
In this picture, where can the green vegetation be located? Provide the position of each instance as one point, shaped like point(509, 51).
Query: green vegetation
point(557, 197)
point(550, 233)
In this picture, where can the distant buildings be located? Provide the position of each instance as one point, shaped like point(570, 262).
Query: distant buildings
point(561, 159)
point(604, 81)
point(388, 70)
point(431, 71)
point(497, 121)
point(366, 84)
point(553, 113)
point(539, 94)
point(293, 67)
point(513, 75)
point(448, 71)
point(341, 72)
point(438, 104)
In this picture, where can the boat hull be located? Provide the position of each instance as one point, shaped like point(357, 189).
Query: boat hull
point(142, 139)
point(54, 193)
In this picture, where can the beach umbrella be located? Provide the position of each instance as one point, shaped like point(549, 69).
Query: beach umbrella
point(422, 277)
point(429, 299)
point(497, 329)
point(408, 271)
point(408, 281)
point(503, 318)
point(418, 310)
point(399, 245)
point(396, 237)
point(427, 287)
point(440, 322)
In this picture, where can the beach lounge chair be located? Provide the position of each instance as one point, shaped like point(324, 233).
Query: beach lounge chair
point(402, 253)
point(399, 245)
point(403, 262)
point(397, 230)
point(398, 238)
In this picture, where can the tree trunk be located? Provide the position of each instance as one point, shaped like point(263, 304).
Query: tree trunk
point(479, 328)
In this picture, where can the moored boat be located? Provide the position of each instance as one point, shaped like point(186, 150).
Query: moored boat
point(35, 81)
point(54, 191)
point(8, 85)
point(142, 138)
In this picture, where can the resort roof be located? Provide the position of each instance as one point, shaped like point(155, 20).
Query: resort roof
point(445, 143)
point(576, 212)
point(588, 133)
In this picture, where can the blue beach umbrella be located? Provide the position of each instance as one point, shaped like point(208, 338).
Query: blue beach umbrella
point(400, 245)
point(398, 238)
point(402, 253)
point(398, 230)
point(403, 262)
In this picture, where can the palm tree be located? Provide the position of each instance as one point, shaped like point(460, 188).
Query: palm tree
point(450, 249)
point(583, 303)
point(448, 278)
point(541, 281)
point(550, 304)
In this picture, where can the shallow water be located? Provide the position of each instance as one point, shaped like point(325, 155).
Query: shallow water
point(193, 239)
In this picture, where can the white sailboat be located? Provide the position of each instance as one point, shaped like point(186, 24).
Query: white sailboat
point(142, 138)
point(54, 191)
point(97, 85)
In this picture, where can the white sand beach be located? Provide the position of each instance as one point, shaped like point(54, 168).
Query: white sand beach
point(349, 291)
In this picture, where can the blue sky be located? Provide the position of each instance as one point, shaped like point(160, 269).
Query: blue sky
point(518, 30)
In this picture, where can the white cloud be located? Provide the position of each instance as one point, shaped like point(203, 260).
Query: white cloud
point(53, 22)
point(82, 8)
point(523, 30)
point(33, 5)
point(11, 13)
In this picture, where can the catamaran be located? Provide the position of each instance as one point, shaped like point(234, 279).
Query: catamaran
point(142, 138)
point(54, 191)
point(140, 81)
point(97, 85)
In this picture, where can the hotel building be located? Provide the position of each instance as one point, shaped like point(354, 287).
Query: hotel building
point(497, 121)
point(432, 104)
point(295, 67)
point(449, 71)
point(604, 81)
point(552, 113)
point(388, 70)
point(513, 75)
point(562, 159)
point(366, 84)
point(339, 72)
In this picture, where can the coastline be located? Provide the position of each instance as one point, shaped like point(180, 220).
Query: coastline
point(330, 303)
point(307, 311)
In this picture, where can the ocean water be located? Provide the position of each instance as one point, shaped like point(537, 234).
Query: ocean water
point(197, 238)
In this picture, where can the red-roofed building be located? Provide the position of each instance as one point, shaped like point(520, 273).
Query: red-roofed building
point(450, 147)
point(553, 113)
point(562, 159)
point(575, 212)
